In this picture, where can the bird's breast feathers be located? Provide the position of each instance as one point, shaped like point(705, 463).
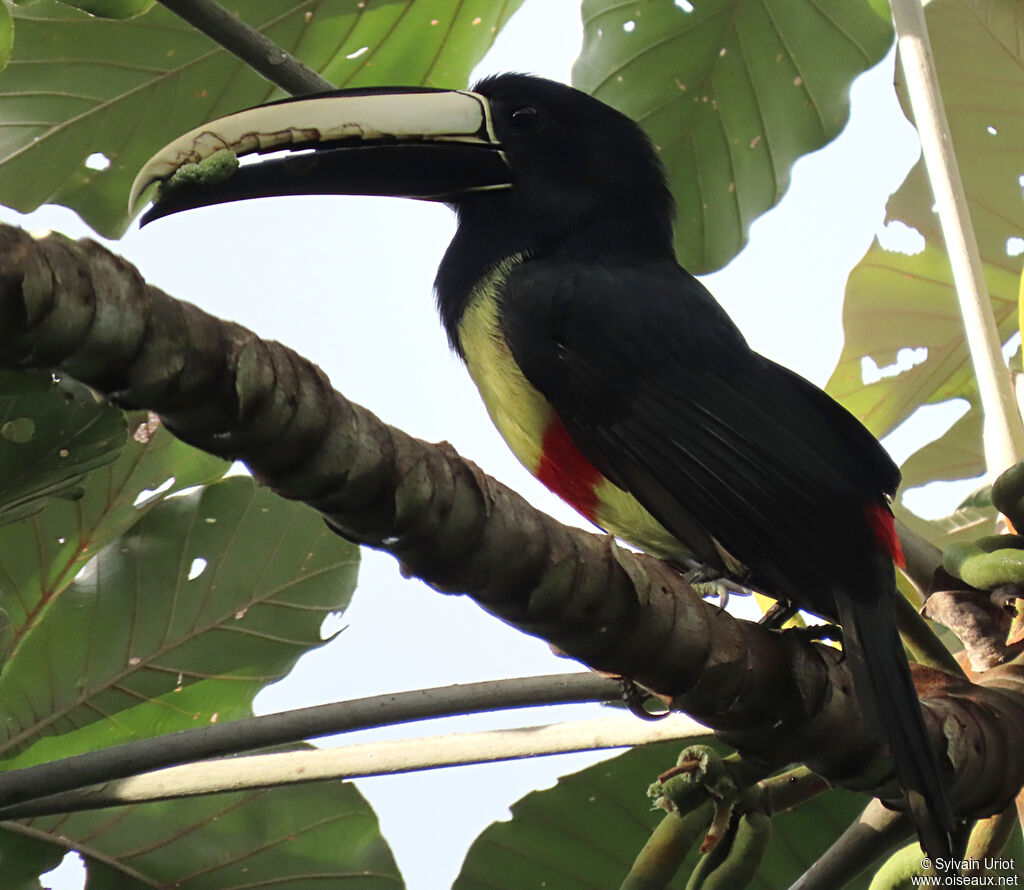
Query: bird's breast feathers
point(517, 409)
point(532, 429)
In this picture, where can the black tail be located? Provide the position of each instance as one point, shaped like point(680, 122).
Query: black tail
point(881, 673)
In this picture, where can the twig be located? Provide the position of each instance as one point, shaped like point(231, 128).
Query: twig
point(356, 761)
point(926, 645)
point(990, 836)
point(878, 831)
point(257, 51)
point(923, 558)
point(1003, 431)
point(219, 740)
point(667, 848)
point(789, 790)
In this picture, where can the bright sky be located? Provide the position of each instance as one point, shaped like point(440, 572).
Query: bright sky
point(347, 282)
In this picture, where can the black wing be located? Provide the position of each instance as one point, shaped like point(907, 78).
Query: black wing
point(659, 390)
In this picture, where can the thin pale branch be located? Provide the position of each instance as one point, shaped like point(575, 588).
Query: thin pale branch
point(221, 739)
point(923, 561)
point(1003, 431)
point(360, 761)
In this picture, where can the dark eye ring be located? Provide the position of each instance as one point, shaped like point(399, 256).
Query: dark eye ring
point(525, 119)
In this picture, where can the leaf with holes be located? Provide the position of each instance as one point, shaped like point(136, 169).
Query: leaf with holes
point(731, 92)
point(85, 102)
point(203, 601)
point(51, 434)
point(287, 838)
point(954, 455)
point(895, 301)
point(43, 553)
point(230, 584)
point(24, 857)
point(586, 831)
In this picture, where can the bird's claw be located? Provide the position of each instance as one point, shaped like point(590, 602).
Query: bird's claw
point(819, 632)
point(715, 587)
point(780, 612)
point(635, 699)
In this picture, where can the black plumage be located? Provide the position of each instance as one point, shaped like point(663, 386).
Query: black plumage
point(660, 392)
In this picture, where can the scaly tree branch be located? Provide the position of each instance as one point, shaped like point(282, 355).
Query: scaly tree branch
point(778, 698)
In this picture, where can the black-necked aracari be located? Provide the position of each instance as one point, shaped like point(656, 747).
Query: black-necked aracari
point(613, 375)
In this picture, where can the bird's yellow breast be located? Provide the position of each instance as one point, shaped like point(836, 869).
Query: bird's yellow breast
point(517, 409)
point(530, 426)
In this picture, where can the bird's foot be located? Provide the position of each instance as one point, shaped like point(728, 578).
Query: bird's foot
point(819, 633)
point(780, 612)
point(636, 699)
point(710, 583)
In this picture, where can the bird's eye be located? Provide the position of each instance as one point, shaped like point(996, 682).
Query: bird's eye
point(525, 119)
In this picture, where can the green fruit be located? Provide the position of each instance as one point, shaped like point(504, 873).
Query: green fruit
point(733, 863)
point(988, 562)
point(1008, 494)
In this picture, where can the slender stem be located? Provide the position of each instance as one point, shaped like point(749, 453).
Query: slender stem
point(257, 51)
point(667, 848)
point(790, 789)
point(990, 836)
point(356, 761)
point(925, 645)
point(876, 833)
point(922, 557)
point(222, 739)
point(1003, 431)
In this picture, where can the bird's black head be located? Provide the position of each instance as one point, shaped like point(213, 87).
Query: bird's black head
point(587, 186)
point(585, 178)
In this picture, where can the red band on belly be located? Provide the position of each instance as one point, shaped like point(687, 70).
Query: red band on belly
point(565, 470)
point(884, 527)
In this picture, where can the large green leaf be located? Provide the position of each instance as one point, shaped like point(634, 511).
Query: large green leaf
point(586, 831)
point(40, 557)
point(228, 585)
point(82, 92)
point(895, 301)
point(51, 434)
point(24, 858)
point(732, 92)
point(6, 35)
point(286, 838)
point(203, 599)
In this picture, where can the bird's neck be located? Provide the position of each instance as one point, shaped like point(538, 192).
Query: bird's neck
point(481, 242)
point(491, 231)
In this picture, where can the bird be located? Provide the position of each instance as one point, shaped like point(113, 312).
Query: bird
point(612, 373)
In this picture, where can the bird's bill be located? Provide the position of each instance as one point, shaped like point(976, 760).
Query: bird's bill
point(402, 142)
